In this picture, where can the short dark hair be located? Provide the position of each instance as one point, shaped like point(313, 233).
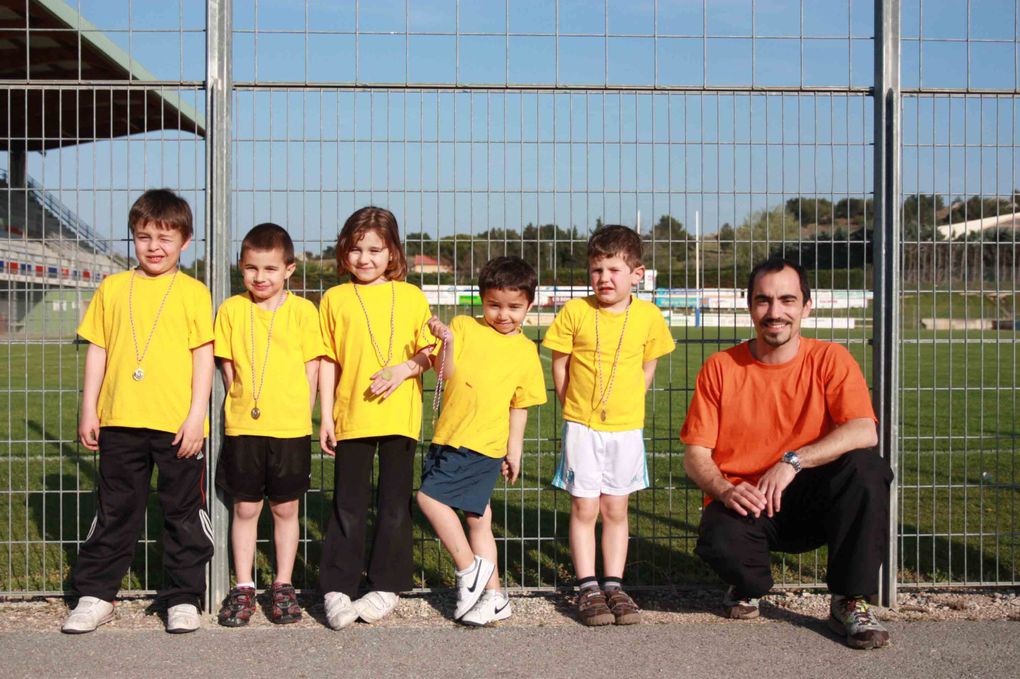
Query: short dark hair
point(384, 224)
point(775, 265)
point(164, 208)
point(615, 240)
point(269, 236)
point(508, 273)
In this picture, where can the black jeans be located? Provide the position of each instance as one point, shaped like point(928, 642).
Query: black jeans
point(126, 458)
point(844, 504)
point(343, 552)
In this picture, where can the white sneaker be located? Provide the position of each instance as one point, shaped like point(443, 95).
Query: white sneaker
point(339, 611)
point(471, 585)
point(493, 606)
point(89, 614)
point(375, 606)
point(182, 618)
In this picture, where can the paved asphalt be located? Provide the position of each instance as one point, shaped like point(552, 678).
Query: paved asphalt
point(920, 649)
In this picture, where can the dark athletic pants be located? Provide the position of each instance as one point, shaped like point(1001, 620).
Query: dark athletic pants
point(343, 551)
point(844, 504)
point(126, 458)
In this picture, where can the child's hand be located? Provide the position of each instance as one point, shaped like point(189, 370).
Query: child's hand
point(511, 467)
point(327, 437)
point(88, 431)
point(383, 387)
point(438, 330)
point(191, 436)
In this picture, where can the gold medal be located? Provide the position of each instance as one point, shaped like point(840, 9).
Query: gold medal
point(603, 416)
point(386, 374)
point(257, 387)
point(255, 413)
point(138, 374)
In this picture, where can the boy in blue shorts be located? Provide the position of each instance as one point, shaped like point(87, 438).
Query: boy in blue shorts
point(268, 343)
point(145, 401)
point(480, 433)
point(605, 348)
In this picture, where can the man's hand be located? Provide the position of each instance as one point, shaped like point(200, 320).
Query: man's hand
point(772, 484)
point(190, 436)
point(511, 467)
point(744, 498)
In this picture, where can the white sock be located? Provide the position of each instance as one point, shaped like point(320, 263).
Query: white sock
point(246, 584)
point(470, 568)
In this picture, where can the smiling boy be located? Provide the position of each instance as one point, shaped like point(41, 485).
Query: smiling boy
point(268, 343)
point(605, 348)
point(145, 400)
point(492, 374)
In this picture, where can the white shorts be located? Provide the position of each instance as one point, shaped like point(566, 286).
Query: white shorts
point(594, 463)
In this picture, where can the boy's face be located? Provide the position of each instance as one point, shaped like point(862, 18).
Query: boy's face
point(265, 273)
point(612, 279)
point(504, 310)
point(157, 248)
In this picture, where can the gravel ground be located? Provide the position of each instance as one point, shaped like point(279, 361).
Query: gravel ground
point(538, 610)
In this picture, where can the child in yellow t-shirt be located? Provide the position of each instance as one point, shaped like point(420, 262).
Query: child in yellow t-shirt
point(269, 345)
point(605, 349)
point(145, 400)
point(377, 347)
point(481, 429)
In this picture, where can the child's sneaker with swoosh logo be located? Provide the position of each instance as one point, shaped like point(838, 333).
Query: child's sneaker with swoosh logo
point(471, 585)
point(492, 607)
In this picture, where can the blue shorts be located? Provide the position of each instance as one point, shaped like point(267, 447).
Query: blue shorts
point(459, 477)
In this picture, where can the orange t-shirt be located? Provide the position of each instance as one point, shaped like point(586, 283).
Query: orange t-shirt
point(750, 413)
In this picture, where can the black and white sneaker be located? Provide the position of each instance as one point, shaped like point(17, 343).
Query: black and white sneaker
point(492, 607)
point(471, 585)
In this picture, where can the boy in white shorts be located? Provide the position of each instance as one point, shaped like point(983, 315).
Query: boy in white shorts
point(605, 348)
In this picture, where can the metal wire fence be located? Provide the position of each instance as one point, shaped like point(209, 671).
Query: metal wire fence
point(723, 131)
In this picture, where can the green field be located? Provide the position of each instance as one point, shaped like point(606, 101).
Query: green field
point(959, 475)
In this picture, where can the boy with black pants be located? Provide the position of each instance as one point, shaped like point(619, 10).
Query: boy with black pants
point(145, 400)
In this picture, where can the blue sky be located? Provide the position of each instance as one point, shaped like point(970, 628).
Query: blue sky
point(470, 161)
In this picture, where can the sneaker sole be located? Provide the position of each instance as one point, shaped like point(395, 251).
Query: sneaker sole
point(599, 620)
point(233, 622)
point(629, 618)
point(105, 620)
point(285, 619)
point(181, 630)
point(840, 630)
point(734, 614)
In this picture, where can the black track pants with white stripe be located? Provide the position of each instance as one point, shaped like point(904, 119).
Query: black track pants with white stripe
point(126, 459)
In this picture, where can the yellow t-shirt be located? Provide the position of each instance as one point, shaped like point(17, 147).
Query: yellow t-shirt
point(162, 398)
point(493, 373)
point(356, 413)
point(645, 338)
point(284, 396)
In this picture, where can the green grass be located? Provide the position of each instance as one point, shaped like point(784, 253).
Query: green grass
point(959, 475)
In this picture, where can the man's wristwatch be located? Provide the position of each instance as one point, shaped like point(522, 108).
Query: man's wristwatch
point(791, 458)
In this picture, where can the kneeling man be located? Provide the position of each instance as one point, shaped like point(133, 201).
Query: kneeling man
point(779, 437)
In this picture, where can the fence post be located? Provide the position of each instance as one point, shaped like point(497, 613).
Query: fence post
point(885, 306)
point(219, 85)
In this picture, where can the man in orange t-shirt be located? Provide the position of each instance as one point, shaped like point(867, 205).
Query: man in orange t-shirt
point(779, 437)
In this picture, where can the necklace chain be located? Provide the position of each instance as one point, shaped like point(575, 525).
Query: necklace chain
point(604, 393)
point(256, 391)
point(368, 322)
point(437, 396)
point(138, 374)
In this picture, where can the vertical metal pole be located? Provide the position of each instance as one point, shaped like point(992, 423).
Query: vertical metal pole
point(218, 91)
point(885, 308)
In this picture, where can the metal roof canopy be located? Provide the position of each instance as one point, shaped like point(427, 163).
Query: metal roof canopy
point(48, 40)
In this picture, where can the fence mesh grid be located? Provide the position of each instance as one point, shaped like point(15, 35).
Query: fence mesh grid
point(723, 131)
